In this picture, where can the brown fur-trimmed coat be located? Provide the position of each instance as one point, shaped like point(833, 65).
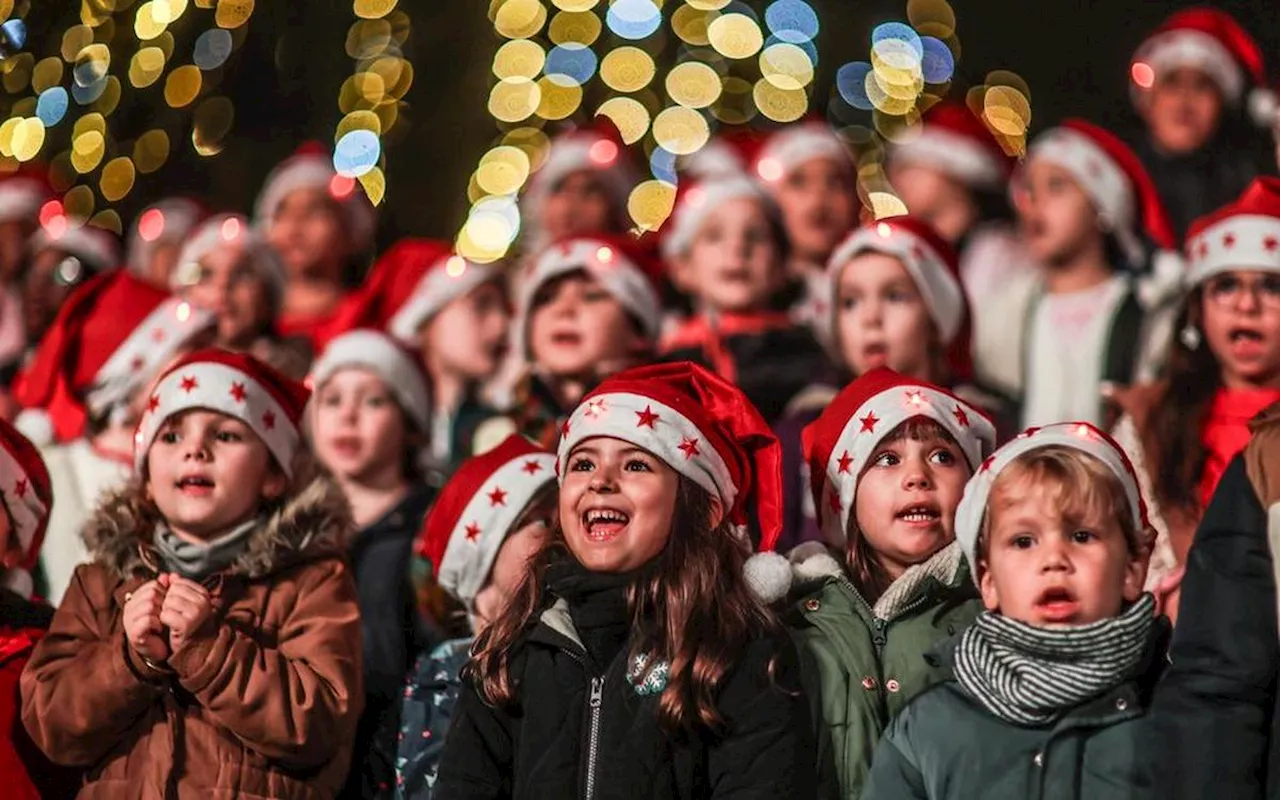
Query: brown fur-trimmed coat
point(261, 702)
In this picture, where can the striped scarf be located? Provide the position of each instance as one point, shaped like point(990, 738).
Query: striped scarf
point(1028, 676)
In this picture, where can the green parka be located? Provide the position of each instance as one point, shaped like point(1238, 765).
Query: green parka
point(860, 663)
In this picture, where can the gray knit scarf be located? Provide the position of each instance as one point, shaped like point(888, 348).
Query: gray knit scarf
point(199, 561)
point(1028, 675)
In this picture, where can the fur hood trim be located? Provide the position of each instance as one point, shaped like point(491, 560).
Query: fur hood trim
point(314, 523)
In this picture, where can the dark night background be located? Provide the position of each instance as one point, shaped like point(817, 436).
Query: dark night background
point(284, 82)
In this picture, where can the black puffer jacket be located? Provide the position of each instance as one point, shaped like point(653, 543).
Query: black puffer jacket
point(575, 734)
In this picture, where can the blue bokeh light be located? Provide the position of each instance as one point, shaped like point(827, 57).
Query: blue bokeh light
point(938, 64)
point(633, 19)
point(356, 153)
point(851, 82)
point(896, 31)
point(52, 105)
point(792, 21)
point(212, 49)
point(663, 165)
point(572, 60)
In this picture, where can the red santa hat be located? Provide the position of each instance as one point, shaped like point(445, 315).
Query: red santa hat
point(478, 508)
point(95, 248)
point(230, 230)
point(111, 336)
point(234, 384)
point(382, 355)
point(704, 428)
point(725, 155)
point(1244, 235)
point(170, 220)
point(1114, 179)
point(697, 199)
point(798, 144)
point(1080, 436)
point(310, 167)
point(27, 493)
point(957, 143)
point(840, 442)
point(622, 268)
point(22, 194)
point(1211, 41)
point(599, 150)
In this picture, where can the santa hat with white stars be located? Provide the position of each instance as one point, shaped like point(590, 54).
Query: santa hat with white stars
point(28, 496)
point(839, 444)
point(478, 508)
point(1244, 235)
point(704, 428)
point(1080, 436)
point(234, 384)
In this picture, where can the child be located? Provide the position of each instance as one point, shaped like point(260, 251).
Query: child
point(213, 643)
point(727, 250)
point(84, 392)
point(953, 175)
point(454, 314)
point(580, 190)
point(157, 238)
point(1052, 682)
point(24, 620)
point(1182, 433)
point(889, 459)
point(1189, 79)
point(477, 551)
point(589, 307)
point(21, 197)
point(633, 659)
point(229, 269)
point(367, 423)
point(1051, 340)
point(64, 254)
point(319, 223)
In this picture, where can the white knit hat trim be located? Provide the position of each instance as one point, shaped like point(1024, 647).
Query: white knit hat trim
point(1241, 242)
point(1196, 49)
point(698, 203)
point(216, 232)
point(436, 289)
point(876, 419)
point(313, 171)
point(952, 154)
point(652, 426)
point(1075, 435)
point(486, 522)
point(95, 246)
point(794, 146)
point(1100, 177)
point(377, 353)
point(941, 291)
point(20, 498)
point(620, 276)
point(145, 351)
point(217, 387)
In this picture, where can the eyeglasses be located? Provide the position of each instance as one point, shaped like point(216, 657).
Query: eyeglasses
point(1231, 289)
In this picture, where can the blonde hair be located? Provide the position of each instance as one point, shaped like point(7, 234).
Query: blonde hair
point(1079, 486)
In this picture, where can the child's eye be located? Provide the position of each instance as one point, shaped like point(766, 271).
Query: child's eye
point(229, 436)
point(581, 465)
point(848, 302)
point(595, 295)
point(169, 436)
point(636, 465)
point(942, 456)
point(1083, 536)
point(1022, 541)
point(886, 459)
point(899, 295)
point(329, 401)
point(376, 401)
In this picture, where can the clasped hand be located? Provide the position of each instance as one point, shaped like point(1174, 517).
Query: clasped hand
point(168, 602)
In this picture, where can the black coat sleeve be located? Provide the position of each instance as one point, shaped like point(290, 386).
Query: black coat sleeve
point(1212, 715)
point(478, 760)
point(768, 751)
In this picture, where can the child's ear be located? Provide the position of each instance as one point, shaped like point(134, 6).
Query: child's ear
point(987, 586)
point(273, 488)
point(1135, 574)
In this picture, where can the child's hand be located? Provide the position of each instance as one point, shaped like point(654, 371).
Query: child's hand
point(142, 625)
point(186, 607)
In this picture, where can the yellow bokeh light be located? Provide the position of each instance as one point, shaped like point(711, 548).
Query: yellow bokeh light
point(896, 104)
point(474, 192)
point(167, 11)
point(182, 86)
point(519, 58)
point(884, 204)
point(490, 232)
point(358, 121)
point(779, 105)
point(233, 13)
point(629, 115)
point(145, 24)
point(581, 27)
point(627, 69)
point(396, 74)
point(503, 170)
point(28, 138)
point(46, 74)
point(514, 99)
point(213, 119)
point(26, 107)
point(93, 14)
point(17, 72)
point(6, 8)
point(559, 99)
point(681, 130)
point(150, 151)
point(690, 25)
point(1006, 110)
point(575, 5)
point(520, 19)
point(75, 39)
point(897, 128)
point(110, 97)
point(786, 66)
point(651, 203)
point(374, 183)
point(146, 67)
point(87, 150)
point(6, 135)
point(93, 61)
point(535, 144)
point(373, 9)
point(89, 122)
point(932, 17)
point(736, 105)
point(108, 220)
point(707, 5)
point(117, 179)
point(61, 174)
point(471, 251)
point(368, 38)
point(735, 36)
point(78, 203)
point(693, 84)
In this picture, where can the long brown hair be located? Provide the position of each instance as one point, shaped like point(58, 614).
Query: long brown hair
point(692, 608)
point(1171, 436)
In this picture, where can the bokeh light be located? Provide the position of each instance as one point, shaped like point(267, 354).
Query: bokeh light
point(681, 130)
point(503, 170)
point(651, 203)
point(735, 36)
point(519, 58)
point(574, 63)
point(557, 99)
point(628, 115)
point(520, 19)
point(356, 153)
point(792, 21)
point(633, 19)
point(212, 49)
point(579, 27)
point(627, 69)
point(514, 99)
point(182, 86)
point(786, 66)
point(693, 84)
point(117, 179)
point(780, 105)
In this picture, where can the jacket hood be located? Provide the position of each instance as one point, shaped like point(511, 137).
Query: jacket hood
point(813, 565)
point(313, 523)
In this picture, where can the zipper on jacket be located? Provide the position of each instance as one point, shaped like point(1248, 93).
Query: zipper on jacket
point(593, 734)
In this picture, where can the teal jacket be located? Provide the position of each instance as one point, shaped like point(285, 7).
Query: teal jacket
point(861, 664)
point(946, 746)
